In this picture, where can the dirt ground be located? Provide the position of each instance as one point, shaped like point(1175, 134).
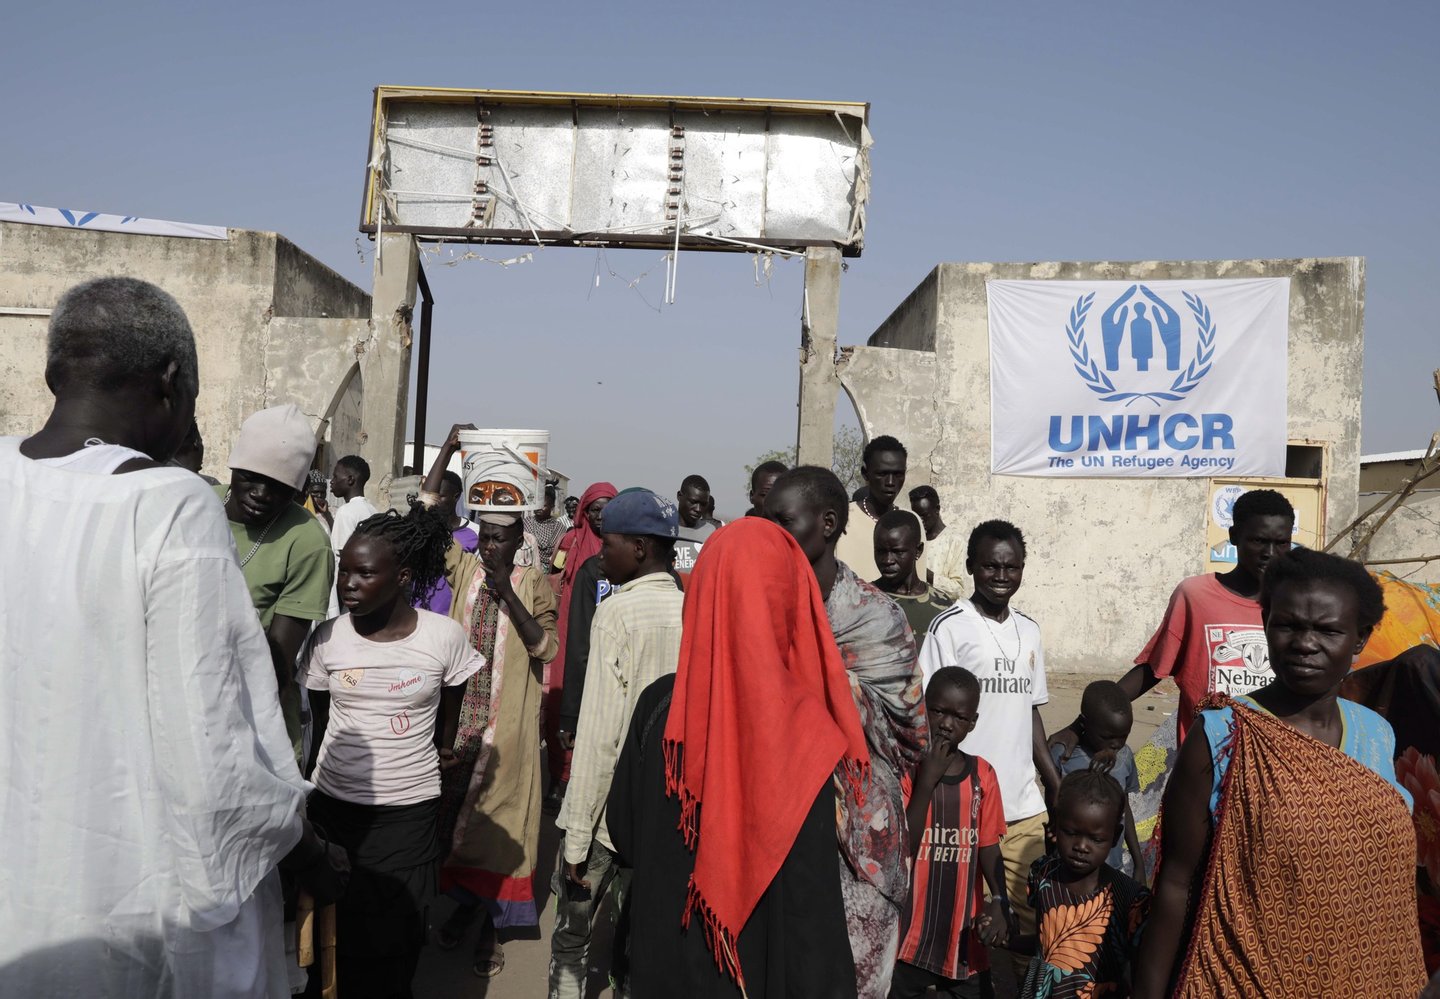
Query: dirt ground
point(447, 975)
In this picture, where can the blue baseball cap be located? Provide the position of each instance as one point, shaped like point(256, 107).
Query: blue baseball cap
point(641, 512)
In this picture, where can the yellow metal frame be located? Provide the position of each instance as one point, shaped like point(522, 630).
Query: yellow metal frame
point(459, 95)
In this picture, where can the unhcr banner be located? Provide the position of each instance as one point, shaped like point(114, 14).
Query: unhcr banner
point(1143, 379)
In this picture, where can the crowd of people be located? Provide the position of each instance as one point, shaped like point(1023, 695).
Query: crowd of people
point(798, 755)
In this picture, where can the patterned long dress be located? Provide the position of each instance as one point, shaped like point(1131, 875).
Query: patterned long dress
point(474, 714)
point(490, 802)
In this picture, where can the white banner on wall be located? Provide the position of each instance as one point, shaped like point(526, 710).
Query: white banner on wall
point(70, 218)
point(1139, 378)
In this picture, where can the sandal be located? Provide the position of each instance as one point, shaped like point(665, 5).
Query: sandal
point(489, 965)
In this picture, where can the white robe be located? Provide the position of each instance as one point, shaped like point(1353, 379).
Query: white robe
point(149, 788)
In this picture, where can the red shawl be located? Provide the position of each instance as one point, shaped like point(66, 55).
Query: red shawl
point(761, 716)
point(579, 544)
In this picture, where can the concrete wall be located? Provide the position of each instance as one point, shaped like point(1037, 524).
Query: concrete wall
point(913, 324)
point(308, 362)
point(1104, 554)
point(306, 287)
point(897, 387)
point(272, 324)
point(1413, 531)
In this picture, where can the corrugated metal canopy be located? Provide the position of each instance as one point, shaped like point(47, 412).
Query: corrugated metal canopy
point(618, 170)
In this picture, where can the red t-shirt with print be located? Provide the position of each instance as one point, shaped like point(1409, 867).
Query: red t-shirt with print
point(1210, 640)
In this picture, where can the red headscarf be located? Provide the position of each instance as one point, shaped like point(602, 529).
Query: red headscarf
point(579, 544)
point(761, 716)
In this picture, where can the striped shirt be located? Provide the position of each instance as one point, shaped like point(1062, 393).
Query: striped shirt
point(946, 887)
point(634, 640)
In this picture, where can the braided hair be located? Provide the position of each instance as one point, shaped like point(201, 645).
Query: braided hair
point(419, 540)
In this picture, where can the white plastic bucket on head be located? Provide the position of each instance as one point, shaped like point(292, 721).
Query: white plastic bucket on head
point(503, 471)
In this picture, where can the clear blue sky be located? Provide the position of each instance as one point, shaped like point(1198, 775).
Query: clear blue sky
point(1002, 131)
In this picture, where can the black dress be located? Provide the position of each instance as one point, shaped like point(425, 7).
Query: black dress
point(794, 945)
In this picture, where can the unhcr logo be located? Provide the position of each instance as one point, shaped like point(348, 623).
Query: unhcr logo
point(1141, 345)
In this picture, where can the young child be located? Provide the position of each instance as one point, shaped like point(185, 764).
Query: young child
point(1104, 726)
point(956, 819)
point(1090, 916)
point(386, 685)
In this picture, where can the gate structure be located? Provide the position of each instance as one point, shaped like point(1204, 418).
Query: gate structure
point(678, 174)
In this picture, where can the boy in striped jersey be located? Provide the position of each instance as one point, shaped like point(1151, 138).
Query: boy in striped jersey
point(956, 818)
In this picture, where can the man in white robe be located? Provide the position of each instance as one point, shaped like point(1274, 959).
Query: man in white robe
point(149, 790)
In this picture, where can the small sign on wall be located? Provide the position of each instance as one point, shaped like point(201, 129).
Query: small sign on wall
point(1307, 497)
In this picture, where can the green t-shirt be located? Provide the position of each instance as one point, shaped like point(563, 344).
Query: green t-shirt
point(292, 571)
point(921, 610)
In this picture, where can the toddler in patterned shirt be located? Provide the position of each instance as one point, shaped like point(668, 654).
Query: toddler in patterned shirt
point(1089, 915)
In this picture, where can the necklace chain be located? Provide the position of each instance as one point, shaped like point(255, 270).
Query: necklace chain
point(995, 635)
point(260, 540)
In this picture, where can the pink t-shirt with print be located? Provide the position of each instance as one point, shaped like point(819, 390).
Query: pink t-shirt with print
point(379, 746)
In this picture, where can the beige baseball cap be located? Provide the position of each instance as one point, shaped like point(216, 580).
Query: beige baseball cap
point(278, 443)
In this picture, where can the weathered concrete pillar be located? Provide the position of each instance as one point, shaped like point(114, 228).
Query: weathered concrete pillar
point(819, 381)
point(385, 363)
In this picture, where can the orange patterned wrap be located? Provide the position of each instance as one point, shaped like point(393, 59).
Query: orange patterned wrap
point(1307, 840)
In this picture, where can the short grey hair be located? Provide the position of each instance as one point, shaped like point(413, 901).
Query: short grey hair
point(107, 331)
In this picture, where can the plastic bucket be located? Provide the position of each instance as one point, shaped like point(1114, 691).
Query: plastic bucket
point(503, 471)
